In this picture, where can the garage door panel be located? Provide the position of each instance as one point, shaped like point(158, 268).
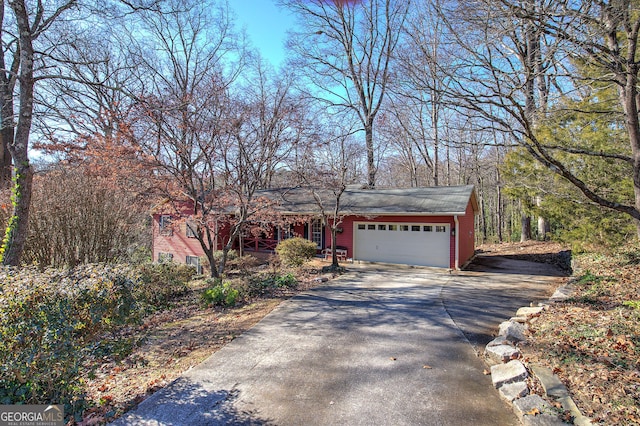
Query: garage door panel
point(411, 244)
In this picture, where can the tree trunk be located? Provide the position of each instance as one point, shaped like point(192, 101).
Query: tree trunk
point(500, 215)
point(17, 229)
point(6, 139)
point(483, 210)
point(213, 270)
point(525, 227)
point(7, 83)
point(209, 248)
point(334, 253)
point(371, 163)
point(436, 140)
point(16, 233)
point(543, 225)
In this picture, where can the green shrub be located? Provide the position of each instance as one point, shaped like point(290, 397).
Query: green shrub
point(286, 281)
point(296, 251)
point(258, 286)
point(48, 323)
point(221, 295)
point(53, 322)
point(633, 304)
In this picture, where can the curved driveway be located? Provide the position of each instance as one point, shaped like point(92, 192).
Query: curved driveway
point(381, 345)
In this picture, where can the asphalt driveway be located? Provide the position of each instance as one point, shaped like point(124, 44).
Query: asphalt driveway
point(380, 345)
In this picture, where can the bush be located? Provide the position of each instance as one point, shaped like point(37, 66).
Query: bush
point(159, 283)
point(243, 264)
point(231, 256)
point(296, 251)
point(78, 217)
point(286, 281)
point(221, 295)
point(52, 322)
point(48, 322)
point(264, 285)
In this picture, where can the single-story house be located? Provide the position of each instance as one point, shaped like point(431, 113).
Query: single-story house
point(432, 226)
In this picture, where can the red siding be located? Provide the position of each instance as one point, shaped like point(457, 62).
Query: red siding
point(177, 243)
point(298, 230)
point(466, 232)
point(466, 235)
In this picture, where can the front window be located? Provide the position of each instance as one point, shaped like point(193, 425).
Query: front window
point(191, 229)
point(165, 257)
point(195, 262)
point(166, 227)
point(285, 233)
point(316, 232)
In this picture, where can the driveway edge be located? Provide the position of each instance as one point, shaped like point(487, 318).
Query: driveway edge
point(510, 375)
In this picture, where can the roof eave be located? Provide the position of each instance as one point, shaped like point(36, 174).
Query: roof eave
point(378, 213)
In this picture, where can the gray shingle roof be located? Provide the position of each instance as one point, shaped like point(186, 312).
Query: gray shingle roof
point(429, 201)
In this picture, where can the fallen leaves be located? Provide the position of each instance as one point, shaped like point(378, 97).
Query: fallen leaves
point(592, 341)
point(533, 412)
point(175, 341)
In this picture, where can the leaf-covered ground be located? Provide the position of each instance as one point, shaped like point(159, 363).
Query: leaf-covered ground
point(169, 344)
point(592, 341)
point(165, 346)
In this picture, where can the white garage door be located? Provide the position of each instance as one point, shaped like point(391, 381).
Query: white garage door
point(405, 243)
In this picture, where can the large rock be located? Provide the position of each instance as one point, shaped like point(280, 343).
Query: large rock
point(543, 420)
point(501, 353)
point(563, 293)
point(511, 372)
point(500, 340)
point(513, 391)
point(551, 384)
point(529, 311)
point(513, 331)
point(535, 411)
point(554, 388)
point(531, 404)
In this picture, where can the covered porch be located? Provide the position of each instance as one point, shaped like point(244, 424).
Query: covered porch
point(313, 230)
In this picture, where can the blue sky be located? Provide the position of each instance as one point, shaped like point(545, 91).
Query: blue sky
point(266, 26)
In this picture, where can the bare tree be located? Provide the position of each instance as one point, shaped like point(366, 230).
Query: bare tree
point(519, 75)
point(188, 113)
point(19, 37)
point(346, 50)
point(419, 89)
point(217, 125)
point(263, 133)
point(327, 178)
point(98, 92)
point(33, 33)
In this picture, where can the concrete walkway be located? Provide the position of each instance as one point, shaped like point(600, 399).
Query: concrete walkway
point(375, 347)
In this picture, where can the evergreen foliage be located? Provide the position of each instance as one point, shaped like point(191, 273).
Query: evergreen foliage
point(589, 140)
point(51, 322)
